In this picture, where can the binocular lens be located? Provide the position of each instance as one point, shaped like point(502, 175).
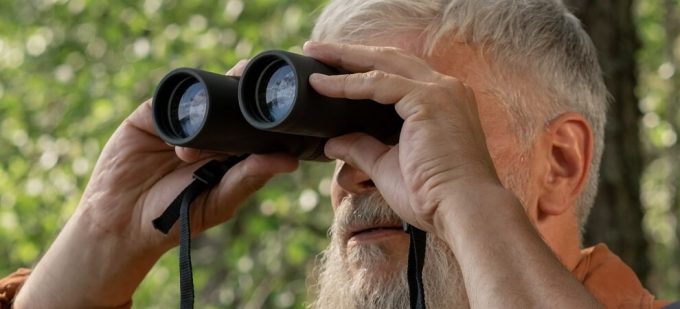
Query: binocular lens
point(277, 97)
point(190, 111)
point(270, 108)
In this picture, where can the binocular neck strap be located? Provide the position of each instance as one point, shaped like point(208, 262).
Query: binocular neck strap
point(416, 261)
point(209, 175)
point(206, 177)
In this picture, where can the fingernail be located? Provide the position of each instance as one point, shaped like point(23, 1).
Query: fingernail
point(309, 45)
point(240, 65)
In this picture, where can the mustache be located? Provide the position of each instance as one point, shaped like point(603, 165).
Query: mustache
point(366, 209)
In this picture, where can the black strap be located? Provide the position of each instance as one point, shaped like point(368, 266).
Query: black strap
point(209, 175)
point(206, 177)
point(416, 261)
point(186, 273)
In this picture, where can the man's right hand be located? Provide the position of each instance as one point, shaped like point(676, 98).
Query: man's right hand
point(109, 244)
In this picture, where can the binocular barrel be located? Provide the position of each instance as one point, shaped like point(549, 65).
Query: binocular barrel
point(270, 108)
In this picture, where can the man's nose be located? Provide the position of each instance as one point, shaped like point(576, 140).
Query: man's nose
point(353, 180)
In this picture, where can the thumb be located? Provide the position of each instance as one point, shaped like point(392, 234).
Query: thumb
point(359, 150)
point(379, 162)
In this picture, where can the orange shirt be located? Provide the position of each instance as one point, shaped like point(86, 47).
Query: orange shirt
point(10, 285)
point(611, 281)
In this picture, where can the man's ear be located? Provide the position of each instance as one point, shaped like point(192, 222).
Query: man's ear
point(567, 150)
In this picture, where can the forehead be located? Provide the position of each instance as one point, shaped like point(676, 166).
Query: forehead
point(462, 61)
point(466, 63)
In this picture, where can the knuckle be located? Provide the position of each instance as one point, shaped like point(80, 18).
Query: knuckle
point(347, 84)
point(250, 180)
point(389, 51)
point(373, 85)
point(344, 58)
point(453, 87)
point(437, 95)
point(438, 91)
point(450, 82)
point(376, 75)
point(253, 183)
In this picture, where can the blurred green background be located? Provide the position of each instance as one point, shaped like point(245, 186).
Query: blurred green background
point(71, 70)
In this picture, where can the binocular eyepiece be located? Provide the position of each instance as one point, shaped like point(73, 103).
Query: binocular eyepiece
point(270, 108)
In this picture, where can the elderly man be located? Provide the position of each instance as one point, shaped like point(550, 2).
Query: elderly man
point(503, 107)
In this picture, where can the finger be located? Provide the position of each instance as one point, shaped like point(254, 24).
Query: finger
point(374, 85)
point(188, 155)
point(191, 155)
point(359, 150)
point(142, 119)
point(378, 161)
point(240, 182)
point(237, 70)
point(361, 58)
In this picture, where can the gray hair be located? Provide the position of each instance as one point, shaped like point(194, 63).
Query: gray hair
point(539, 38)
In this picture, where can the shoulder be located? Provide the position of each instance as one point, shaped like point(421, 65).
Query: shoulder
point(611, 281)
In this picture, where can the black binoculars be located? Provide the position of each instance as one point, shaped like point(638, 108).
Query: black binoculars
point(270, 108)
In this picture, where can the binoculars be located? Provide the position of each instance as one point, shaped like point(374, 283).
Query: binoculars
point(270, 108)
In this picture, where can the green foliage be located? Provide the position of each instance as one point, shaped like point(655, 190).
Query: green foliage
point(72, 70)
point(659, 91)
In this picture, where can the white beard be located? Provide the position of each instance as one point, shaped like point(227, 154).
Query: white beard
point(370, 276)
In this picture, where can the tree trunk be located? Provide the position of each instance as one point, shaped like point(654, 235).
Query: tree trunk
point(616, 218)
